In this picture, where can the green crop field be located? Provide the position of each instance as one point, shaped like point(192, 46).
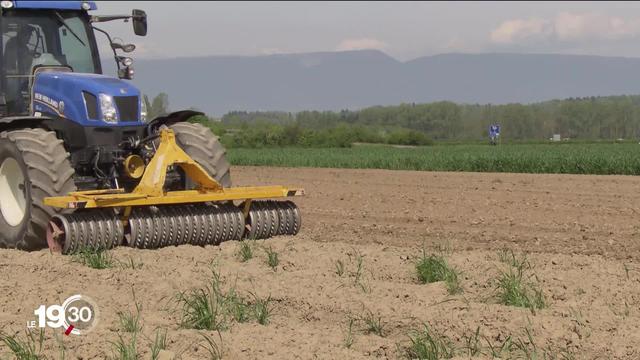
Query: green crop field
point(577, 158)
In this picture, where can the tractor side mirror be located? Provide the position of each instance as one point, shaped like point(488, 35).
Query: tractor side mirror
point(139, 22)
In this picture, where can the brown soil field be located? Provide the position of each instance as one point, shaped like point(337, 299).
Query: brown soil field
point(580, 235)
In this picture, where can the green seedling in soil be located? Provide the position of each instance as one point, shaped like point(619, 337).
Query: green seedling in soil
point(500, 350)
point(131, 264)
point(429, 345)
point(516, 289)
point(373, 324)
point(348, 337)
point(626, 270)
point(125, 350)
point(29, 348)
point(245, 252)
point(159, 343)
point(95, 258)
point(434, 268)
point(508, 257)
point(359, 268)
point(236, 306)
point(213, 349)
point(472, 343)
point(211, 308)
point(339, 268)
point(358, 275)
point(203, 308)
point(261, 309)
point(519, 348)
point(129, 321)
point(272, 258)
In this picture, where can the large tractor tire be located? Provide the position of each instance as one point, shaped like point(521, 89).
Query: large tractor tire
point(33, 165)
point(205, 148)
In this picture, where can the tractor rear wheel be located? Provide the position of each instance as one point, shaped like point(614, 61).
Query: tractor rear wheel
point(33, 165)
point(204, 147)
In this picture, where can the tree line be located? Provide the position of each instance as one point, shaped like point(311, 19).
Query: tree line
point(589, 118)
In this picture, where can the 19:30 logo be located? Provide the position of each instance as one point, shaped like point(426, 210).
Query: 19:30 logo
point(78, 315)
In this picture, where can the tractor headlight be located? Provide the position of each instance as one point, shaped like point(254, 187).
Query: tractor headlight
point(143, 109)
point(108, 109)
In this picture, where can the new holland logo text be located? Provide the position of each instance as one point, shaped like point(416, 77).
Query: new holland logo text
point(47, 100)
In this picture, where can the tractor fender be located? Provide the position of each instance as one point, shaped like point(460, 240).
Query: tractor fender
point(24, 122)
point(170, 119)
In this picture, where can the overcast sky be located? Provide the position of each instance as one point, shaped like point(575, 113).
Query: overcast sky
point(404, 30)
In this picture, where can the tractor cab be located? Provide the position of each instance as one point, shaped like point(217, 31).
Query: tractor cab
point(51, 36)
point(33, 39)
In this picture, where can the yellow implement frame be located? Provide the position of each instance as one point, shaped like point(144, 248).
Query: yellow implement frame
point(149, 190)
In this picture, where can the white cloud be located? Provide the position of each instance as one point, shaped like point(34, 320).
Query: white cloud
point(520, 29)
point(361, 44)
point(566, 26)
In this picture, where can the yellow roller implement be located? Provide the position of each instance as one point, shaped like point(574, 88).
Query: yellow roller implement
point(150, 189)
point(149, 217)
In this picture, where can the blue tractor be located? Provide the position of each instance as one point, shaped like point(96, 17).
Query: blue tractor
point(65, 128)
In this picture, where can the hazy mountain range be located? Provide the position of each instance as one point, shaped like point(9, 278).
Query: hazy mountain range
point(356, 79)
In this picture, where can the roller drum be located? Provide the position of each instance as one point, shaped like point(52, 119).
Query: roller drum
point(159, 231)
point(139, 230)
point(191, 225)
point(177, 227)
point(275, 218)
point(240, 223)
point(232, 224)
point(294, 211)
point(217, 229)
point(283, 216)
point(266, 220)
point(223, 224)
point(165, 219)
point(271, 218)
point(252, 223)
point(200, 225)
point(70, 233)
point(256, 221)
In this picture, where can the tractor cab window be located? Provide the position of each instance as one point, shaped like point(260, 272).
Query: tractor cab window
point(76, 49)
point(43, 38)
point(19, 46)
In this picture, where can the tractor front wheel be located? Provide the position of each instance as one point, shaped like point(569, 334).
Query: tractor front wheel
point(33, 165)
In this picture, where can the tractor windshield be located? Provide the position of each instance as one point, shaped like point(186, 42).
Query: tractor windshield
point(43, 38)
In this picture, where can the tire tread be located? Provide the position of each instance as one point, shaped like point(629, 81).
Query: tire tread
point(49, 173)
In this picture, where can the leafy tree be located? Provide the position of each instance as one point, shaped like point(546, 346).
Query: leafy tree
point(159, 106)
